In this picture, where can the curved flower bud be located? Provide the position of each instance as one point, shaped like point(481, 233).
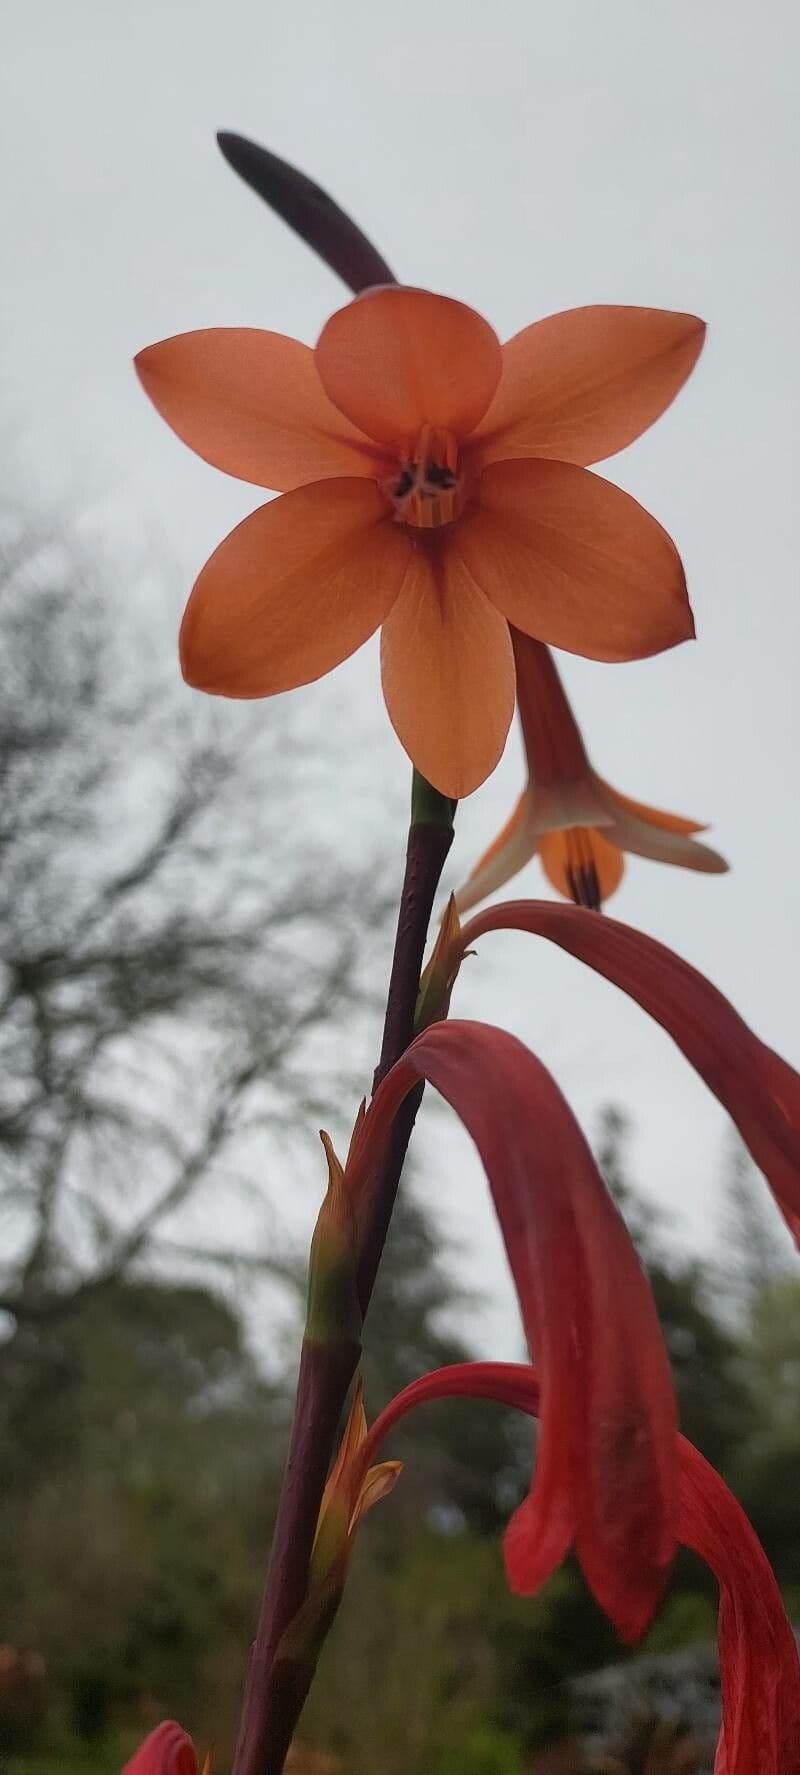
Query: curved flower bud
point(439, 974)
point(308, 210)
point(759, 1090)
point(606, 1475)
point(166, 1751)
point(333, 1313)
point(759, 1663)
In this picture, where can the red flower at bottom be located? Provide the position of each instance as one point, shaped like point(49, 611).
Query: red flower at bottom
point(166, 1751)
point(759, 1663)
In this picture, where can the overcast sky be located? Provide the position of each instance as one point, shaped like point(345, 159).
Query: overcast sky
point(524, 157)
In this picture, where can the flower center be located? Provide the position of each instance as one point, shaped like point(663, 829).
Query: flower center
point(427, 490)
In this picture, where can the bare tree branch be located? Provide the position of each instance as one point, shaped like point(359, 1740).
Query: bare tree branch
point(170, 957)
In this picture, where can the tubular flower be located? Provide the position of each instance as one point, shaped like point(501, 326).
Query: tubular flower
point(577, 824)
point(760, 1091)
point(606, 1478)
point(166, 1751)
point(759, 1665)
point(435, 484)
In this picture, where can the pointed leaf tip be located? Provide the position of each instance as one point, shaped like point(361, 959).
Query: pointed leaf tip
point(440, 974)
point(335, 1168)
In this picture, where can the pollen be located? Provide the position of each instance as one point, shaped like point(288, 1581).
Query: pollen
point(428, 490)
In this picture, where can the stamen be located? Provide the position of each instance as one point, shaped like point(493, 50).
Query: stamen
point(428, 491)
point(581, 870)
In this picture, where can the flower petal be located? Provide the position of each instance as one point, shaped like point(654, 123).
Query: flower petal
point(655, 816)
point(759, 1090)
point(581, 385)
point(252, 404)
point(448, 671)
point(166, 1751)
point(759, 1664)
point(574, 561)
point(581, 864)
point(511, 850)
point(293, 590)
point(397, 359)
point(664, 838)
point(553, 741)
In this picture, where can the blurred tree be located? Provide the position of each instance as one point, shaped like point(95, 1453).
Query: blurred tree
point(767, 1471)
point(139, 1450)
point(170, 954)
point(756, 1247)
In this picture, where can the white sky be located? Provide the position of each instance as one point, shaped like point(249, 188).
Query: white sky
point(525, 158)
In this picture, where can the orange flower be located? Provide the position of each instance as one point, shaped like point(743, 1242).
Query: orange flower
point(436, 485)
point(578, 824)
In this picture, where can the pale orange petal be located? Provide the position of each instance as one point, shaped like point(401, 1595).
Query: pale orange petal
point(581, 385)
point(293, 590)
point(512, 849)
point(252, 403)
point(649, 836)
point(581, 864)
point(397, 359)
point(572, 560)
point(377, 1484)
point(448, 672)
point(655, 816)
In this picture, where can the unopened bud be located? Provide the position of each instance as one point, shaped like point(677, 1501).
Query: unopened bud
point(352, 1489)
point(333, 1314)
point(439, 976)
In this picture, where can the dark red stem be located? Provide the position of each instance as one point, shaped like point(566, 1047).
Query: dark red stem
point(275, 1690)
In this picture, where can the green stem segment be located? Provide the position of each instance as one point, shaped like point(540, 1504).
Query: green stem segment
point(277, 1685)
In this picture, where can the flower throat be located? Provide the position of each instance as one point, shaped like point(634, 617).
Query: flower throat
point(428, 491)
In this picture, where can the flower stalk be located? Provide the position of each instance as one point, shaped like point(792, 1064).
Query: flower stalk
point(281, 1664)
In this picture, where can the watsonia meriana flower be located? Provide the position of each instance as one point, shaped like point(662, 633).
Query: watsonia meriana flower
point(435, 486)
point(576, 824)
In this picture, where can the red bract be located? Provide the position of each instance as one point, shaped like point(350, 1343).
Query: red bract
point(606, 1473)
point(167, 1751)
point(759, 1665)
point(759, 1090)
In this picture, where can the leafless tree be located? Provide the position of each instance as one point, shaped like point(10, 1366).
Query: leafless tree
point(174, 943)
